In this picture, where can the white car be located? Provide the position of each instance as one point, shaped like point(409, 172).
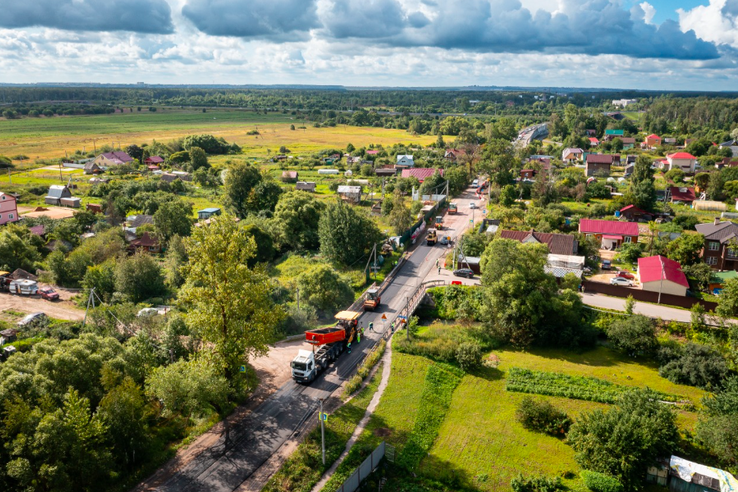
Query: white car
point(621, 281)
point(472, 205)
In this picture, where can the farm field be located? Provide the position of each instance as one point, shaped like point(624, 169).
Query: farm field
point(50, 138)
point(480, 443)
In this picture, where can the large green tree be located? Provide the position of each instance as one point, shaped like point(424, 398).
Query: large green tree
point(229, 302)
point(400, 218)
point(686, 249)
point(139, 277)
point(265, 196)
point(172, 218)
point(641, 190)
point(717, 427)
point(297, 215)
point(17, 249)
point(323, 288)
point(346, 234)
point(198, 159)
point(241, 178)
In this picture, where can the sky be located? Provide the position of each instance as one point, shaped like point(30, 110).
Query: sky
point(629, 44)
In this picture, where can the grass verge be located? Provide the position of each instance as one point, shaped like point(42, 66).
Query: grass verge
point(364, 370)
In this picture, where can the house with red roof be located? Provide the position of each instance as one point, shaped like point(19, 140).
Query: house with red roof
point(652, 141)
point(682, 194)
point(632, 213)
point(421, 173)
point(593, 142)
point(660, 274)
point(8, 209)
point(147, 242)
point(611, 233)
point(682, 160)
point(154, 160)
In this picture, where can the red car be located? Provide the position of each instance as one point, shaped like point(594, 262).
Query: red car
point(49, 294)
point(625, 274)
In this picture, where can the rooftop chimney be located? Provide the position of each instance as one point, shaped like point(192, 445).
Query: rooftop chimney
point(717, 221)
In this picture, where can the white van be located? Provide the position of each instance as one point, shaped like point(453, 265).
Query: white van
point(475, 183)
point(24, 287)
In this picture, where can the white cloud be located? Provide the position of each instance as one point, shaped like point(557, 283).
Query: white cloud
point(649, 11)
point(716, 22)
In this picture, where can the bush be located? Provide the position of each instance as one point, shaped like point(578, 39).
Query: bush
point(635, 335)
point(535, 484)
point(541, 416)
point(469, 355)
point(600, 482)
point(693, 364)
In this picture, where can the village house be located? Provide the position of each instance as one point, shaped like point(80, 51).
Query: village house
point(133, 222)
point(652, 141)
point(611, 233)
point(660, 274)
point(721, 244)
point(453, 154)
point(628, 142)
point(60, 195)
point(599, 164)
point(113, 159)
point(206, 213)
point(682, 160)
point(154, 160)
point(682, 194)
point(732, 145)
point(92, 168)
point(421, 173)
point(611, 135)
point(8, 208)
point(528, 174)
point(305, 186)
point(147, 242)
point(593, 142)
point(633, 213)
point(350, 194)
point(558, 244)
point(405, 160)
point(571, 155)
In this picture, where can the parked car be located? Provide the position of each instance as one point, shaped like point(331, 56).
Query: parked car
point(606, 265)
point(625, 274)
point(475, 183)
point(621, 281)
point(48, 293)
point(32, 319)
point(464, 272)
point(472, 205)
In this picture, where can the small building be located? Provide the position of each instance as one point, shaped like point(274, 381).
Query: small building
point(152, 167)
point(612, 134)
point(732, 145)
point(305, 186)
point(633, 213)
point(629, 170)
point(558, 244)
point(94, 207)
point(652, 141)
point(147, 242)
point(660, 274)
point(385, 171)
point(174, 176)
point(328, 171)
point(113, 159)
point(289, 176)
point(572, 155)
point(528, 174)
point(10, 335)
point(682, 160)
point(599, 164)
point(405, 160)
point(611, 233)
point(682, 195)
point(687, 476)
point(421, 173)
point(560, 265)
point(628, 142)
point(594, 141)
point(8, 209)
point(350, 193)
point(206, 213)
point(60, 195)
point(453, 154)
point(38, 230)
point(154, 160)
point(92, 168)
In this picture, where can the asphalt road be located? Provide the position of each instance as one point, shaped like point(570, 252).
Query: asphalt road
point(222, 468)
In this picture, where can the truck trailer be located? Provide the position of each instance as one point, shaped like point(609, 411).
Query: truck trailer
point(328, 344)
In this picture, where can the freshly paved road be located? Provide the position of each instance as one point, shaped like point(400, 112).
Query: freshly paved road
point(254, 439)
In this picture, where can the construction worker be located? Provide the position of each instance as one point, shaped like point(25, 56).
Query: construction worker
point(392, 326)
point(358, 337)
point(371, 326)
point(348, 346)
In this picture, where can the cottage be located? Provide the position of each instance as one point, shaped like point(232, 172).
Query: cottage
point(633, 213)
point(682, 160)
point(350, 193)
point(147, 242)
point(652, 141)
point(732, 145)
point(289, 176)
point(611, 233)
point(305, 186)
point(599, 164)
point(682, 195)
point(628, 142)
point(113, 159)
point(405, 160)
point(527, 174)
point(721, 244)
point(421, 173)
point(660, 274)
point(206, 213)
point(453, 154)
point(385, 171)
point(558, 244)
point(154, 160)
point(593, 142)
point(92, 168)
point(61, 196)
point(572, 155)
point(8, 208)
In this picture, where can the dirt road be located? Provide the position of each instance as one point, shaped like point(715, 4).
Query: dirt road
point(62, 309)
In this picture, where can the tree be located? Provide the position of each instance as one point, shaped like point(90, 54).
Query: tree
point(702, 180)
point(17, 249)
point(699, 274)
point(241, 178)
point(630, 252)
point(399, 217)
point(325, 289)
point(625, 440)
point(297, 215)
point(198, 159)
point(686, 249)
point(173, 218)
point(346, 234)
point(125, 411)
point(728, 300)
point(175, 259)
point(616, 145)
point(265, 196)
point(693, 364)
point(229, 302)
point(136, 152)
point(139, 277)
point(102, 279)
point(717, 427)
point(641, 190)
point(265, 251)
point(508, 195)
point(676, 175)
point(634, 335)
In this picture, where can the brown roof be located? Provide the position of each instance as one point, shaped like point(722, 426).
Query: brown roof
point(145, 241)
point(600, 159)
point(722, 231)
point(558, 244)
point(682, 194)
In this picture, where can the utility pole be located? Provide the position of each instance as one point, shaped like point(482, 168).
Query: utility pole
point(298, 298)
point(322, 431)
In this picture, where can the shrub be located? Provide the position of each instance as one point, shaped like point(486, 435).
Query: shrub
point(635, 335)
point(600, 482)
point(535, 484)
point(541, 416)
point(469, 355)
point(693, 364)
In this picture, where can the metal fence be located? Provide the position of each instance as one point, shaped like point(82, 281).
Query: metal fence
point(370, 464)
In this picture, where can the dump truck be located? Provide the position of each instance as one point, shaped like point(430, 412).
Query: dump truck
point(372, 299)
point(432, 238)
point(452, 208)
point(328, 344)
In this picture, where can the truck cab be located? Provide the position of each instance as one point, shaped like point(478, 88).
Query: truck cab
point(303, 366)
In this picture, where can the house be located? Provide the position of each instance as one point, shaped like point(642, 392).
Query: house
point(453, 154)
point(572, 154)
point(682, 195)
point(206, 213)
point(528, 174)
point(112, 159)
point(385, 171)
point(305, 186)
point(94, 207)
point(629, 170)
point(289, 176)
point(611, 135)
point(652, 141)
point(8, 208)
point(405, 160)
point(154, 160)
point(660, 274)
point(682, 160)
point(687, 476)
point(633, 213)
point(599, 164)
point(133, 222)
point(147, 242)
point(61, 196)
point(9, 335)
point(593, 142)
point(558, 244)
point(628, 142)
point(421, 173)
point(175, 175)
point(92, 168)
point(611, 233)
point(721, 244)
point(732, 145)
point(350, 193)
